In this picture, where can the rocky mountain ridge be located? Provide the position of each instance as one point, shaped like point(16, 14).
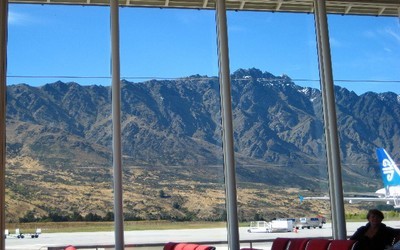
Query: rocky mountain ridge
point(278, 131)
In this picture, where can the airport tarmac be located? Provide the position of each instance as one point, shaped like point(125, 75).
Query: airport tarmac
point(150, 238)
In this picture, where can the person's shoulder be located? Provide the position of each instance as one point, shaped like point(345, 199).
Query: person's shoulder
point(390, 229)
point(366, 225)
point(386, 226)
point(363, 227)
point(358, 234)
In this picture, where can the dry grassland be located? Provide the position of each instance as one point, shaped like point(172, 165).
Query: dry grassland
point(196, 194)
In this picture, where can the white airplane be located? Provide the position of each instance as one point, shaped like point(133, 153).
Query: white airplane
point(390, 194)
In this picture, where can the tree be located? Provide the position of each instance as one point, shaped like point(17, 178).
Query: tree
point(29, 217)
point(109, 216)
point(161, 193)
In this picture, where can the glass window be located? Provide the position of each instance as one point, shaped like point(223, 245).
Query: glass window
point(365, 67)
point(279, 135)
point(171, 128)
point(59, 130)
point(58, 123)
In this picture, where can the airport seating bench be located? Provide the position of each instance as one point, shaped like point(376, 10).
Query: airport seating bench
point(280, 244)
point(186, 246)
point(312, 244)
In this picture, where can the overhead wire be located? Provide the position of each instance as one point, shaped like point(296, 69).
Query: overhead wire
point(204, 77)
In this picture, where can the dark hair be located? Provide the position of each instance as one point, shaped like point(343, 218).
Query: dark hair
point(375, 212)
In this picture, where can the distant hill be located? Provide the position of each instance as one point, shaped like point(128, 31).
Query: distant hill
point(59, 139)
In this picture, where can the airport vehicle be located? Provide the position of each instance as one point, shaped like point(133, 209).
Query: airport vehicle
point(270, 227)
point(309, 222)
point(258, 227)
point(293, 220)
point(390, 194)
point(36, 234)
point(281, 226)
point(19, 235)
point(323, 219)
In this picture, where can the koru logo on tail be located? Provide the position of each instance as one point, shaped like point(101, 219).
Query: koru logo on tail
point(388, 169)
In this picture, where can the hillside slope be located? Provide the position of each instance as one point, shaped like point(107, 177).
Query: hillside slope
point(59, 138)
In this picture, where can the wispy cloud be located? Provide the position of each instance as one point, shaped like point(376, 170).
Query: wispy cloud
point(335, 42)
point(393, 34)
point(237, 28)
point(15, 18)
point(369, 34)
point(388, 50)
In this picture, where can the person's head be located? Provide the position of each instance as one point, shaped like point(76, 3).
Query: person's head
point(375, 216)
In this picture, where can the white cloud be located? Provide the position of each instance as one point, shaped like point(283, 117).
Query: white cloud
point(369, 34)
point(395, 35)
point(15, 18)
point(387, 50)
point(237, 28)
point(335, 42)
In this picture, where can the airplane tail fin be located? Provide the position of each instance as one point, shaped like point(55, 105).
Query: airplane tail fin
point(389, 170)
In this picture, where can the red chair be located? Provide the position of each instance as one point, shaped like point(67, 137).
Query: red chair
point(186, 246)
point(342, 244)
point(190, 246)
point(318, 244)
point(298, 244)
point(202, 247)
point(170, 246)
point(179, 246)
point(280, 244)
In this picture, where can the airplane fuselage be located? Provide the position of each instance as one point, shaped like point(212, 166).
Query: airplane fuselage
point(389, 192)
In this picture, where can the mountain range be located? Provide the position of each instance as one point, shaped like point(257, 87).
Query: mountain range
point(59, 144)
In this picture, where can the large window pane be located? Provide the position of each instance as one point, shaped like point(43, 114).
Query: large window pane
point(58, 122)
point(171, 121)
point(59, 128)
point(365, 66)
point(277, 118)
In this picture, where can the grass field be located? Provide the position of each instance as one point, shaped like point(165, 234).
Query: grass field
point(56, 227)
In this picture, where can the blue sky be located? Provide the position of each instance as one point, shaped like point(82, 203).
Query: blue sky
point(72, 43)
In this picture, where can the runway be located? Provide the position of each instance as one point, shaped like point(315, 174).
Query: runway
point(150, 238)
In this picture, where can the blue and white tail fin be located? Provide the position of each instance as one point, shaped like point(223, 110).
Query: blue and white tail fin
point(389, 170)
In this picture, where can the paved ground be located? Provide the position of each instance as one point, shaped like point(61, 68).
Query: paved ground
point(214, 235)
